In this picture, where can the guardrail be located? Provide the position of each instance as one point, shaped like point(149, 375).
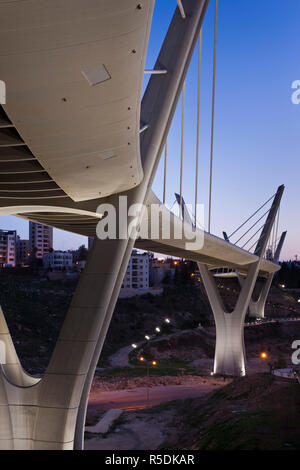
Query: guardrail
point(287, 373)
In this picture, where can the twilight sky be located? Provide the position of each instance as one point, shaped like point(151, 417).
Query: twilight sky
point(257, 127)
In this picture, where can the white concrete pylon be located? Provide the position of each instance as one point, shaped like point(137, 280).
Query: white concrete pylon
point(257, 307)
point(230, 350)
point(157, 109)
point(230, 357)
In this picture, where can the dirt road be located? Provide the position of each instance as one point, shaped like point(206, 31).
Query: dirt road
point(143, 397)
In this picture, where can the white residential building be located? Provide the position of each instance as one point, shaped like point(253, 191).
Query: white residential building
point(137, 274)
point(58, 260)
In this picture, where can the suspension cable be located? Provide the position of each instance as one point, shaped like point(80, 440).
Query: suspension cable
point(165, 170)
point(253, 226)
point(212, 118)
point(182, 142)
point(252, 246)
point(198, 123)
point(249, 218)
point(253, 236)
point(172, 205)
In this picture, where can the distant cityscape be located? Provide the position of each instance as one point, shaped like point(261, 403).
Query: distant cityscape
point(145, 273)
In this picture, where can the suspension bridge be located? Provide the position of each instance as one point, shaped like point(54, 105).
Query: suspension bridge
point(76, 133)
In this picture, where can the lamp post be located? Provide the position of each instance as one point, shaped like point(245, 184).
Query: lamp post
point(263, 356)
point(148, 363)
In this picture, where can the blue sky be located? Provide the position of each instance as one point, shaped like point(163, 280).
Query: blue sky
point(256, 125)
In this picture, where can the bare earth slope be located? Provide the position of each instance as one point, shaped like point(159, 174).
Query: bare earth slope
point(256, 412)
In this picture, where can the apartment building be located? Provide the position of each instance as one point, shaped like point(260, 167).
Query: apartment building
point(22, 252)
point(58, 260)
point(8, 248)
point(137, 274)
point(40, 238)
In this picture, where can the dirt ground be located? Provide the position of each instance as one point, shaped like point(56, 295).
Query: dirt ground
point(256, 412)
point(141, 425)
point(136, 431)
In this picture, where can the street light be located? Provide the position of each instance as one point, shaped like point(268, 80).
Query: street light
point(263, 355)
point(134, 346)
point(157, 329)
point(167, 320)
point(154, 364)
point(147, 337)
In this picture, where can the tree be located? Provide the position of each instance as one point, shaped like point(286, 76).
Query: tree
point(82, 253)
point(34, 261)
point(280, 362)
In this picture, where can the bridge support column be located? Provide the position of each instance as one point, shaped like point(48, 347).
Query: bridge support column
point(230, 349)
point(257, 307)
point(42, 413)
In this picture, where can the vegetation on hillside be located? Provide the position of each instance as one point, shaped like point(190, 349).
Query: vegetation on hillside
point(258, 412)
point(35, 309)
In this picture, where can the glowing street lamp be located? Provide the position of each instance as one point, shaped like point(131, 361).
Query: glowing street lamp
point(167, 320)
point(157, 329)
point(154, 364)
point(147, 337)
point(263, 355)
point(134, 346)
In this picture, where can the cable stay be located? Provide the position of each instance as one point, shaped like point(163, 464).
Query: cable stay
point(251, 217)
point(252, 226)
point(251, 238)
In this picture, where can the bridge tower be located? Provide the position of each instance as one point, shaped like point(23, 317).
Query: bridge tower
point(230, 348)
point(257, 307)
